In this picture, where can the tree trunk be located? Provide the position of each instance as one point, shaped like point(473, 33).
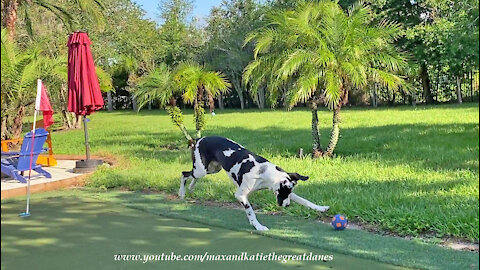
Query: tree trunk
point(437, 85)
point(316, 145)
point(220, 102)
point(239, 90)
point(134, 103)
point(4, 127)
point(109, 101)
point(261, 98)
point(66, 119)
point(65, 114)
point(172, 102)
point(77, 122)
point(199, 112)
point(11, 18)
point(459, 90)
point(427, 91)
point(471, 85)
point(374, 96)
point(211, 103)
point(335, 133)
point(18, 122)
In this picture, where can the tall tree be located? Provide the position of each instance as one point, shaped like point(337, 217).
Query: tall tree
point(180, 36)
point(11, 9)
point(226, 29)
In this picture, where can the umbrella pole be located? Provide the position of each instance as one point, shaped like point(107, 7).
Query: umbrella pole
point(86, 165)
point(85, 129)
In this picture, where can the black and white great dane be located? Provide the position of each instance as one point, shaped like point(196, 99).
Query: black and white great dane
point(247, 170)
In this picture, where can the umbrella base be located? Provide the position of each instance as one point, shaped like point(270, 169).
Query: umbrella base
point(87, 165)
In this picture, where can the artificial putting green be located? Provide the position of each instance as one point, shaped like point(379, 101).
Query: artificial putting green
point(82, 233)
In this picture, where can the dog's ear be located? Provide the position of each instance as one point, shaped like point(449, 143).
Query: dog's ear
point(296, 177)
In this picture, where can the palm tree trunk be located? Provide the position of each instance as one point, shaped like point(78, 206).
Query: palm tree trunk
point(199, 112)
point(4, 127)
point(316, 146)
point(459, 89)
point(18, 122)
point(335, 131)
point(11, 17)
point(211, 103)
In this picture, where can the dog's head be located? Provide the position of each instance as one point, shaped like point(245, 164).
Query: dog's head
point(286, 185)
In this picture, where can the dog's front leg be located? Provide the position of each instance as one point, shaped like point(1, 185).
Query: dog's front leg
point(308, 203)
point(242, 197)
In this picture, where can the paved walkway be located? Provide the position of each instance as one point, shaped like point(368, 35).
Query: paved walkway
point(63, 170)
point(62, 176)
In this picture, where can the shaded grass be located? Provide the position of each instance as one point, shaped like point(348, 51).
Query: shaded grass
point(406, 170)
point(96, 229)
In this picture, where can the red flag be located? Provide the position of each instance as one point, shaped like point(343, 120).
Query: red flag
point(42, 103)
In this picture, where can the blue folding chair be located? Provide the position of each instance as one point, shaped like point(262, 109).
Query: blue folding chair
point(15, 163)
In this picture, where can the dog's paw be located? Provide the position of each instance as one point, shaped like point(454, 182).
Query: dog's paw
point(322, 208)
point(260, 227)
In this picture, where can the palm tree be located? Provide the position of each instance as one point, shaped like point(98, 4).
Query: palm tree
point(198, 84)
point(193, 81)
point(10, 9)
point(319, 53)
point(19, 75)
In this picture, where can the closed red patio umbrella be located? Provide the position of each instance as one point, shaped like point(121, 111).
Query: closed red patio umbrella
point(84, 95)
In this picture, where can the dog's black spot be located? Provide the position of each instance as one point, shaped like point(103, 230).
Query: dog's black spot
point(259, 159)
point(187, 174)
point(246, 206)
point(234, 177)
point(279, 169)
point(244, 168)
point(283, 193)
point(262, 169)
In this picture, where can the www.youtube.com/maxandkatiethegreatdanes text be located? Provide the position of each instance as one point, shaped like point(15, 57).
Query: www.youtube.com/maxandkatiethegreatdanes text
point(206, 257)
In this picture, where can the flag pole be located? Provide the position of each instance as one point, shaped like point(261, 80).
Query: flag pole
point(37, 106)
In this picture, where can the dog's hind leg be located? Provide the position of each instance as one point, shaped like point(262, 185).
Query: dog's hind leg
point(242, 197)
point(183, 180)
point(213, 167)
point(308, 203)
point(192, 184)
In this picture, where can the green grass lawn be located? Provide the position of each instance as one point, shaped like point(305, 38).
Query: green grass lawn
point(406, 170)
